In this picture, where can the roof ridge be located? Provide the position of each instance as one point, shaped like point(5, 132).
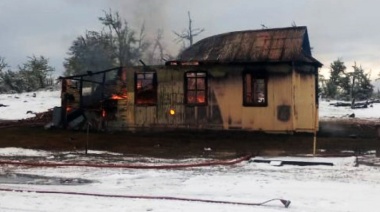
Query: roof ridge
point(261, 30)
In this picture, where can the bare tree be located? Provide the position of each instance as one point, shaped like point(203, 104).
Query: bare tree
point(90, 52)
point(116, 44)
point(128, 47)
point(188, 34)
point(3, 64)
point(157, 53)
point(143, 44)
point(36, 73)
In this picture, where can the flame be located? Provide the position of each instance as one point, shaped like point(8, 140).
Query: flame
point(172, 112)
point(201, 99)
point(68, 109)
point(103, 113)
point(115, 96)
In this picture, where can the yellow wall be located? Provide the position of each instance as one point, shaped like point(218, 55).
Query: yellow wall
point(229, 95)
point(296, 90)
point(284, 89)
point(305, 113)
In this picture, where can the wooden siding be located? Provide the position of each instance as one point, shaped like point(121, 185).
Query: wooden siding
point(290, 96)
point(305, 110)
point(228, 94)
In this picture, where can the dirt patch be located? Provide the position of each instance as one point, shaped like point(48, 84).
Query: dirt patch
point(352, 136)
point(184, 144)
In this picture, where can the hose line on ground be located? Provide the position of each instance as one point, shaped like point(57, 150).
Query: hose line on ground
point(130, 166)
point(286, 203)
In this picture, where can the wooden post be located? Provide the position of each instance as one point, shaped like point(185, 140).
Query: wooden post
point(64, 104)
point(315, 128)
point(378, 139)
point(316, 113)
point(315, 143)
point(315, 133)
point(87, 137)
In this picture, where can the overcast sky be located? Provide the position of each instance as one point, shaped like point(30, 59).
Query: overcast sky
point(346, 29)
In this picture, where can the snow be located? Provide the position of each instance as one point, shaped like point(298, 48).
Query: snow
point(327, 111)
point(11, 151)
point(342, 187)
point(17, 105)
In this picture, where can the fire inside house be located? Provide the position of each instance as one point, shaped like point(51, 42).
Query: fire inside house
point(257, 80)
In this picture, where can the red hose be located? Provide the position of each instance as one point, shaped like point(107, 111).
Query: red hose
point(286, 203)
point(130, 166)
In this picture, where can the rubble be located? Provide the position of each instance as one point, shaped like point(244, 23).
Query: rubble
point(40, 119)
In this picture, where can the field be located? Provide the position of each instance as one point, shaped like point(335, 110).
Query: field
point(30, 182)
point(337, 133)
point(49, 170)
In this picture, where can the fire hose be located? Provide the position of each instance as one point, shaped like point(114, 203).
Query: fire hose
point(286, 203)
point(129, 166)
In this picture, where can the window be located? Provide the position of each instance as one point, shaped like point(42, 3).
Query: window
point(196, 88)
point(146, 88)
point(255, 90)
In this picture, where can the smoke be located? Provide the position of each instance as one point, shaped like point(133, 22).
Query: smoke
point(150, 13)
point(137, 12)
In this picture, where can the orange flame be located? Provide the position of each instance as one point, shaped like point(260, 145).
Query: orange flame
point(114, 96)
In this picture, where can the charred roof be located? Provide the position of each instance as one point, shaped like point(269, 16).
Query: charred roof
point(266, 45)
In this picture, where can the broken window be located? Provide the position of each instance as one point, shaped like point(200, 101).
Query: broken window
point(196, 88)
point(255, 90)
point(146, 88)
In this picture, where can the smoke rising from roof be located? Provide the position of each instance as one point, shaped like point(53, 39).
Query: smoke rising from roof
point(150, 13)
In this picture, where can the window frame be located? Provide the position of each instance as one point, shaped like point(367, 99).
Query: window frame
point(154, 88)
point(254, 76)
point(196, 89)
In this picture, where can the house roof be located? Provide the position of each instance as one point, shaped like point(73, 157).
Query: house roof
point(266, 45)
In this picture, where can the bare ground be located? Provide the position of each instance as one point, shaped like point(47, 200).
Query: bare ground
point(333, 138)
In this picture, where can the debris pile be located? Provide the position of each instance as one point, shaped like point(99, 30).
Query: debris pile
point(356, 105)
point(43, 117)
point(40, 119)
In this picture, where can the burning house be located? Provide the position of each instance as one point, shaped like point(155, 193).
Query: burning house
point(256, 80)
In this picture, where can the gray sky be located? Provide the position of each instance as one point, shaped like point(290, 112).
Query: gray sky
point(346, 29)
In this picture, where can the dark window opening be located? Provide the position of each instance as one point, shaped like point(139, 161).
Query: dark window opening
point(196, 88)
point(146, 88)
point(255, 90)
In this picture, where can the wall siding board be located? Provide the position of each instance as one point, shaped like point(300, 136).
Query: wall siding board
point(282, 93)
point(305, 102)
point(225, 109)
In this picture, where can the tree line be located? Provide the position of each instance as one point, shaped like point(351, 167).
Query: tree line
point(116, 44)
point(34, 74)
point(346, 85)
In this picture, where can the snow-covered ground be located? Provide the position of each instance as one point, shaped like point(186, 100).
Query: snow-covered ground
point(17, 106)
point(342, 187)
point(327, 111)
